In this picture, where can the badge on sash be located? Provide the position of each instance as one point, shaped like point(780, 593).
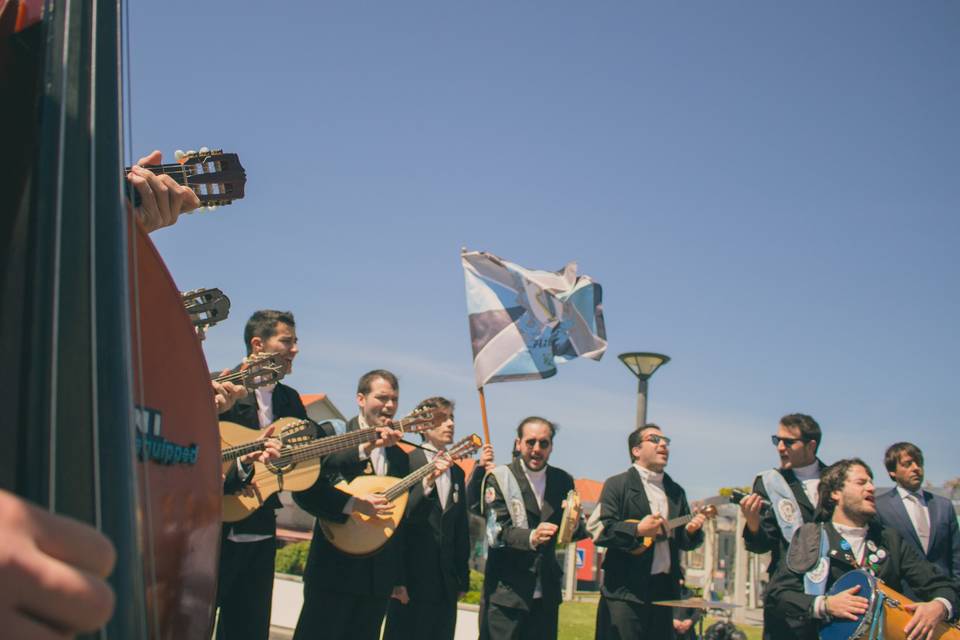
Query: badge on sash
point(518, 511)
point(819, 573)
point(788, 512)
point(489, 495)
point(456, 495)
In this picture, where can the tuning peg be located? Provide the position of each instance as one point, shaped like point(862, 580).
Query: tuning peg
point(211, 207)
point(204, 149)
point(178, 154)
point(192, 152)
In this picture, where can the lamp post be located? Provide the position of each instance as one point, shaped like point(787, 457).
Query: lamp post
point(643, 365)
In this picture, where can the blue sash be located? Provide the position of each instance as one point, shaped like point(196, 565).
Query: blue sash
point(815, 580)
point(515, 506)
point(783, 502)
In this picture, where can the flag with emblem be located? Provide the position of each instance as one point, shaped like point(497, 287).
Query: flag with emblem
point(524, 321)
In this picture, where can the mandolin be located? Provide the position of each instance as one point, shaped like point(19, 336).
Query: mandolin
point(298, 466)
point(257, 370)
point(706, 506)
point(363, 535)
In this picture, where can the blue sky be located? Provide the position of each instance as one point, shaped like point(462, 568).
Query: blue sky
point(769, 194)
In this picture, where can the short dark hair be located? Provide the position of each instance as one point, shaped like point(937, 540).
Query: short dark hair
point(636, 436)
point(263, 324)
point(366, 380)
point(832, 479)
point(892, 456)
point(552, 426)
point(436, 402)
point(808, 427)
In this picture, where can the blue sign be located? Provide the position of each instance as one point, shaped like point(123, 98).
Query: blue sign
point(580, 557)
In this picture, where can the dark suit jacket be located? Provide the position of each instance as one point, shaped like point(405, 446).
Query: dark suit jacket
point(769, 537)
point(327, 568)
point(436, 540)
point(944, 548)
point(512, 570)
point(626, 576)
point(902, 566)
point(286, 403)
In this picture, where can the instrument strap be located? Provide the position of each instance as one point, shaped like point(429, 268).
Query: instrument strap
point(879, 616)
point(783, 502)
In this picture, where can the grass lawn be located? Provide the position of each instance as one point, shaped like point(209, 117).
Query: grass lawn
point(578, 619)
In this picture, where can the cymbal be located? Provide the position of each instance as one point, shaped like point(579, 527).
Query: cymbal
point(697, 603)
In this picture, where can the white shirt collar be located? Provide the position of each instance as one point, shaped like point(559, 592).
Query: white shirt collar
point(809, 472)
point(647, 475)
point(850, 533)
point(905, 493)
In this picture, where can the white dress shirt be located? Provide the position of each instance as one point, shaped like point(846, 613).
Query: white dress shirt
point(657, 497)
point(809, 476)
point(377, 456)
point(919, 514)
point(441, 483)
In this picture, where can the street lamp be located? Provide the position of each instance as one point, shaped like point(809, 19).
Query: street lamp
point(643, 365)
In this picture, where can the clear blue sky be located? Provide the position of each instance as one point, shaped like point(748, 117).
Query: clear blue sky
point(770, 194)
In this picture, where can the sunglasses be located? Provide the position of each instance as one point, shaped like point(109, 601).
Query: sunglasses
point(655, 439)
point(544, 443)
point(787, 442)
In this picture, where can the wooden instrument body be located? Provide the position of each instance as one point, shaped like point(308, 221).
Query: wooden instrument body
point(363, 535)
point(178, 472)
point(288, 431)
point(895, 614)
point(270, 479)
point(571, 518)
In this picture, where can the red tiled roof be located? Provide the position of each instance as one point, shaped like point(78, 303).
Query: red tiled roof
point(310, 398)
point(588, 489)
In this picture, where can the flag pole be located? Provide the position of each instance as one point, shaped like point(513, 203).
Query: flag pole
point(483, 414)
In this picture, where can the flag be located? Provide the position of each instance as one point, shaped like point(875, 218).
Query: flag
point(524, 321)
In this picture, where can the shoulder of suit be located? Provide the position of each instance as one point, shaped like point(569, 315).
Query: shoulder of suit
point(559, 473)
point(670, 482)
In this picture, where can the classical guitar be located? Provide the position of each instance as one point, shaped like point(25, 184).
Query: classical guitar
point(298, 466)
point(237, 440)
point(206, 307)
point(706, 506)
point(363, 535)
point(216, 177)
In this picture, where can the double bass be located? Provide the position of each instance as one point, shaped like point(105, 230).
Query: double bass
point(102, 368)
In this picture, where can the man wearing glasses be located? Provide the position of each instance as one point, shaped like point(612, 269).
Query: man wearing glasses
point(635, 505)
point(523, 504)
point(782, 500)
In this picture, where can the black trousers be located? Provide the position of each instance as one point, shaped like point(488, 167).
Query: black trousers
point(245, 589)
point(626, 620)
point(330, 615)
point(421, 619)
point(508, 623)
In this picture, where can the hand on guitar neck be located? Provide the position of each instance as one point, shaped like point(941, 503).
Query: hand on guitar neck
point(162, 199)
point(226, 394)
point(388, 437)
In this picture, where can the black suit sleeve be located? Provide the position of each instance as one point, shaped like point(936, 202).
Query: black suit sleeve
point(924, 578)
point(954, 537)
point(685, 540)
point(617, 533)
point(323, 500)
point(474, 489)
point(786, 594)
point(461, 550)
point(768, 535)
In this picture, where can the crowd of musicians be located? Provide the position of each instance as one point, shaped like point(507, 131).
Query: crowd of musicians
point(817, 521)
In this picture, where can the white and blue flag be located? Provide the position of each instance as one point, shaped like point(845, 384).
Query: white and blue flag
point(524, 321)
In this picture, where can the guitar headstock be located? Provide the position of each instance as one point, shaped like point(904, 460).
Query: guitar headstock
point(422, 419)
point(465, 447)
point(261, 369)
point(216, 177)
point(206, 307)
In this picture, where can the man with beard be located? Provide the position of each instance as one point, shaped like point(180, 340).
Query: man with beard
point(782, 500)
point(523, 503)
point(633, 505)
point(926, 520)
point(344, 596)
point(436, 543)
point(848, 536)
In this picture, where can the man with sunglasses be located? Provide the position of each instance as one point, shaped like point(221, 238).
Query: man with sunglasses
point(523, 504)
point(782, 500)
point(635, 505)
